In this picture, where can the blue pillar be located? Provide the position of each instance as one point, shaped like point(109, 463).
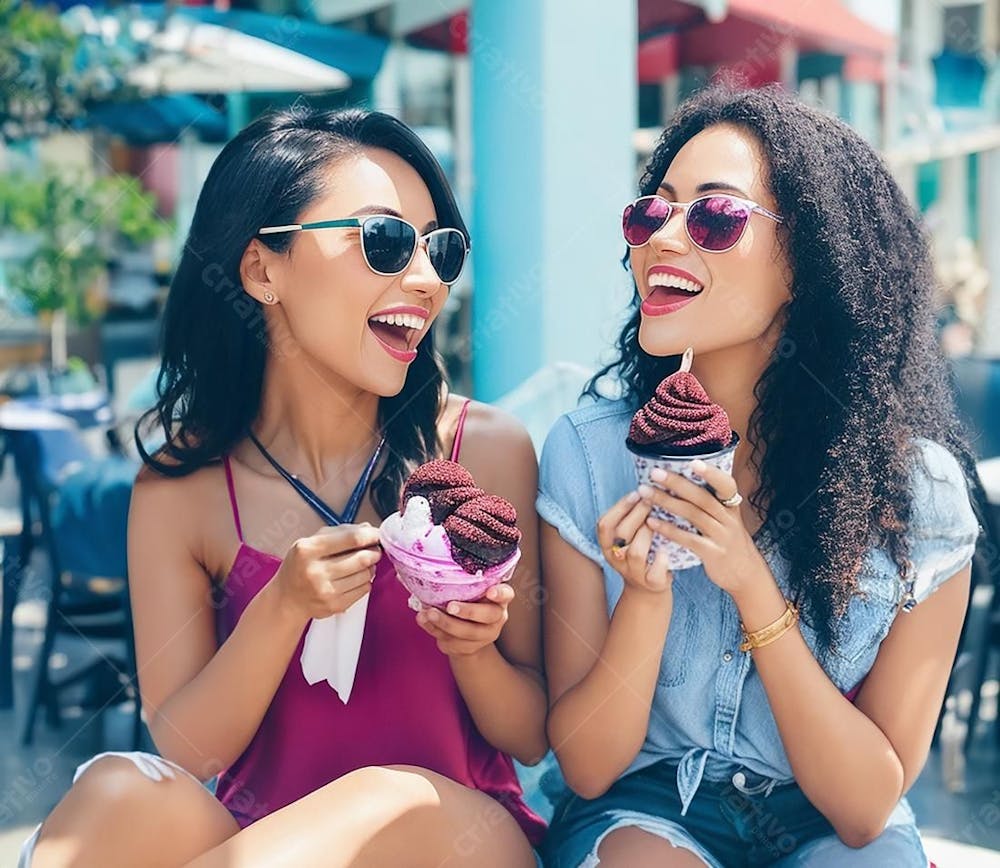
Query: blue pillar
point(553, 114)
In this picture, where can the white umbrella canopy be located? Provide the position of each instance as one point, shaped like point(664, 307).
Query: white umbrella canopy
point(185, 55)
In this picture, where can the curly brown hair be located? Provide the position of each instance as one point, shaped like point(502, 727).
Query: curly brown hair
point(857, 374)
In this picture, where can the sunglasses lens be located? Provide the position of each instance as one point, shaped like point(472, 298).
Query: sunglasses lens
point(446, 249)
point(717, 223)
point(644, 217)
point(389, 244)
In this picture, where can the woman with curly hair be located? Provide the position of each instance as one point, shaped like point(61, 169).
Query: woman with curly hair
point(773, 704)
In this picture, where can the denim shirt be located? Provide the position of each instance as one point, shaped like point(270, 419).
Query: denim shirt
point(710, 714)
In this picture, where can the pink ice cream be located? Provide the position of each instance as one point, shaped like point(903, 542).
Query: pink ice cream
point(474, 547)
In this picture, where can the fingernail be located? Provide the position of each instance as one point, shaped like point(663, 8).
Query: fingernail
point(645, 491)
point(453, 608)
point(432, 615)
point(698, 465)
point(633, 497)
point(658, 474)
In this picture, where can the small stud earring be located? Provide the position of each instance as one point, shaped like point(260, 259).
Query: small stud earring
point(269, 298)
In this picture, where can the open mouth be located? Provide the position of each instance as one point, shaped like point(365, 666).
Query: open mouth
point(669, 293)
point(397, 332)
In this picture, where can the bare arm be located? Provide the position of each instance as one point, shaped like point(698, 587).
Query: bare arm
point(502, 681)
point(602, 672)
point(881, 739)
point(203, 703)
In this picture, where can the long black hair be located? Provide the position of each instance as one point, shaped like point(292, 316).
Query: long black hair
point(215, 341)
point(834, 462)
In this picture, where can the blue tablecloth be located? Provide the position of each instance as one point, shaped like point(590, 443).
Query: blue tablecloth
point(90, 516)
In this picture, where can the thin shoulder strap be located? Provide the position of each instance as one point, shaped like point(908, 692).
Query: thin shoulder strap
point(457, 446)
point(232, 496)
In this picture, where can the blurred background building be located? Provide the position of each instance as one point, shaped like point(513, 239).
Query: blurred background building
point(522, 100)
point(542, 113)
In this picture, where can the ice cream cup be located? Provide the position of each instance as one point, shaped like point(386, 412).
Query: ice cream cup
point(436, 582)
point(678, 557)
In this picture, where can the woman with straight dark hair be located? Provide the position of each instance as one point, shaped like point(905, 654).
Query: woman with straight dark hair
point(771, 702)
point(299, 388)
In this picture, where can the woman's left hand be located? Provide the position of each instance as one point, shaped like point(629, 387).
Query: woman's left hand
point(726, 549)
point(467, 628)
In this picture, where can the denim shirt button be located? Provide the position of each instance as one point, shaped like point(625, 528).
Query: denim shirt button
point(728, 656)
point(739, 780)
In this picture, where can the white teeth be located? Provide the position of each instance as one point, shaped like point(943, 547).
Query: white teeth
point(407, 320)
point(661, 279)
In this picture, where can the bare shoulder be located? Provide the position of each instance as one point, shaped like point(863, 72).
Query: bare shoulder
point(496, 445)
point(180, 512)
point(152, 487)
point(496, 427)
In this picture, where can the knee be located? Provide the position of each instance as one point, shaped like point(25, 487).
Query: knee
point(110, 783)
point(102, 795)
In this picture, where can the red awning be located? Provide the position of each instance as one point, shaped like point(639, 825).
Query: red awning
point(749, 39)
point(673, 33)
point(451, 34)
point(864, 67)
point(823, 25)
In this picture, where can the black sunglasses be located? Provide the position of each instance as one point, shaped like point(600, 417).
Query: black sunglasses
point(390, 243)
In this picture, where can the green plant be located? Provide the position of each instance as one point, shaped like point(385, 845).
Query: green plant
point(78, 221)
point(48, 74)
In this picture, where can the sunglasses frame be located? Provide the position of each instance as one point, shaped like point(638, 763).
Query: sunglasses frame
point(685, 206)
point(359, 223)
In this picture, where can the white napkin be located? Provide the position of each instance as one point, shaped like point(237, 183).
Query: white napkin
point(332, 648)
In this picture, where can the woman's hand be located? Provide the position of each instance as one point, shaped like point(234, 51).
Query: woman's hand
point(726, 549)
point(625, 539)
point(328, 572)
point(467, 628)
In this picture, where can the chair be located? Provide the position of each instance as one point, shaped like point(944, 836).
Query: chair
point(16, 538)
point(81, 504)
point(976, 385)
point(11, 570)
point(981, 629)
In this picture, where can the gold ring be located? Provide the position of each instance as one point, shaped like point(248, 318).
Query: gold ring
point(735, 500)
point(618, 548)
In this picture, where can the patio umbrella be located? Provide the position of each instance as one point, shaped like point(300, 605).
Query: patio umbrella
point(204, 50)
point(159, 119)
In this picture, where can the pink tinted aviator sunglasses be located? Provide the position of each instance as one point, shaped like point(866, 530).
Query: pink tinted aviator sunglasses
point(714, 223)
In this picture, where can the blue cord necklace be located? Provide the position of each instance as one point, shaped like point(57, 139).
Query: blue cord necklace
point(325, 512)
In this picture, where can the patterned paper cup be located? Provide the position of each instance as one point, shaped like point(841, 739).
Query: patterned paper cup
point(435, 582)
point(679, 557)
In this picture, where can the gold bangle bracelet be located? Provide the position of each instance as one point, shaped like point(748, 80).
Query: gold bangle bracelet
point(773, 631)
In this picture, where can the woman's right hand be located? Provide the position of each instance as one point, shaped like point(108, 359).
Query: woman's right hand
point(326, 573)
point(625, 539)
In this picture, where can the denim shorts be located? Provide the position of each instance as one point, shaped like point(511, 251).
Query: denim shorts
point(744, 824)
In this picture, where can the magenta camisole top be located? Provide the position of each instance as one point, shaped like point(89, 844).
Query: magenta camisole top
point(405, 708)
